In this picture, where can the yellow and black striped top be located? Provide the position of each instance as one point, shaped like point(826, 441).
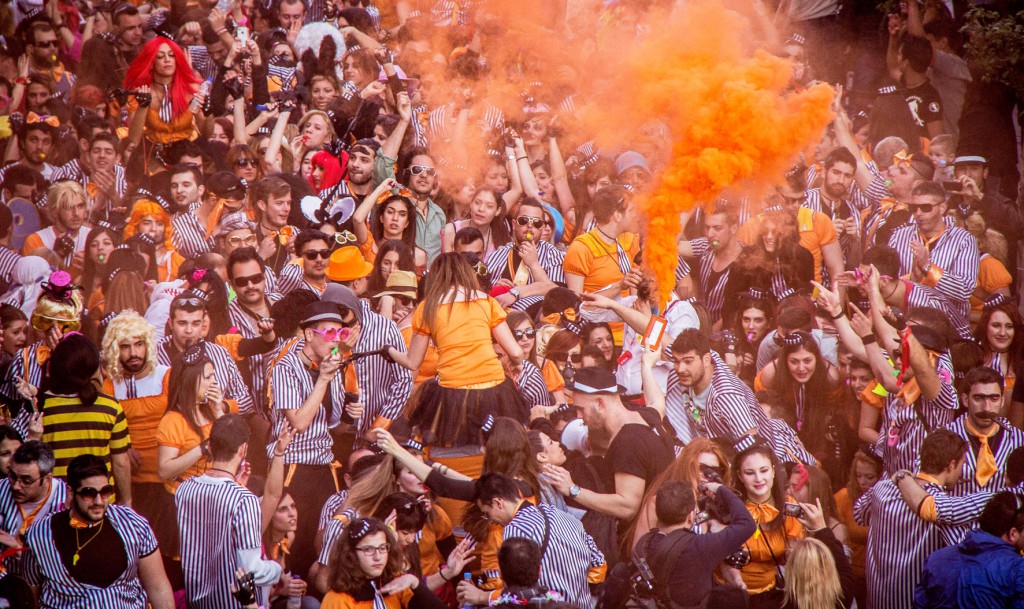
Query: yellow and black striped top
point(71, 428)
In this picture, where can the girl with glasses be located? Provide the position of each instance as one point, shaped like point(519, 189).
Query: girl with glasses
point(366, 570)
point(244, 163)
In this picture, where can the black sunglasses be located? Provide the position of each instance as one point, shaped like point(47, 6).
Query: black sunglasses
point(314, 254)
point(246, 162)
point(519, 334)
point(91, 493)
point(924, 208)
point(242, 282)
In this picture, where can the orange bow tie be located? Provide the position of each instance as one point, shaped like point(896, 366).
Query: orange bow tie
point(902, 159)
point(395, 192)
point(34, 118)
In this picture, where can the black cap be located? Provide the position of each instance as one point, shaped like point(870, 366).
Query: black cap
point(595, 380)
point(226, 185)
point(318, 311)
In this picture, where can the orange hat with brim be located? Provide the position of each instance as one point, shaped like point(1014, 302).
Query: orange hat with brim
point(347, 264)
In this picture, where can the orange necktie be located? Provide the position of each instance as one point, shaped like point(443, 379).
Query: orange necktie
point(986, 467)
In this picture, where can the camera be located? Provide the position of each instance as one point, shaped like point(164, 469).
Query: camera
point(643, 579)
point(64, 246)
point(738, 559)
point(793, 509)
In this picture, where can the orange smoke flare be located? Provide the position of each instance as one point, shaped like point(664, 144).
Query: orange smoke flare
point(728, 110)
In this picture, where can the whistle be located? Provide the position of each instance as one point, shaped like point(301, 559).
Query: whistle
point(53, 58)
point(42, 156)
point(529, 236)
point(714, 244)
point(334, 351)
point(750, 337)
point(888, 182)
point(102, 257)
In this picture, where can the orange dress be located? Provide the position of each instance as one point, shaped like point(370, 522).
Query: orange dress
point(767, 547)
point(858, 540)
point(144, 413)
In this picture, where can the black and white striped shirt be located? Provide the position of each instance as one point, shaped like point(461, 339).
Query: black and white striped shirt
point(24, 365)
point(73, 170)
point(219, 524)
point(847, 206)
point(955, 252)
point(923, 296)
point(224, 368)
point(255, 374)
point(712, 283)
point(331, 506)
point(292, 278)
point(531, 384)
point(291, 382)
point(1002, 444)
point(13, 519)
point(571, 553)
point(904, 426)
point(8, 258)
point(727, 409)
point(441, 122)
point(189, 236)
point(384, 387)
point(899, 541)
point(43, 565)
point(499, 263)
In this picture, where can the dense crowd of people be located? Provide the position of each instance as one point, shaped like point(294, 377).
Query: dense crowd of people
point(342, 304)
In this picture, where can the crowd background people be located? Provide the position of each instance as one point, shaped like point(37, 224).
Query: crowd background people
point(421, 303)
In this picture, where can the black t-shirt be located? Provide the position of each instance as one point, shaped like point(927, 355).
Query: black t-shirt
point(636, 450)
point(925, 105)
point(101, 560)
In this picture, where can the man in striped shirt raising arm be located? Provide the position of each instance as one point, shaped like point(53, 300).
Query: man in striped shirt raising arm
point(933, 251)
point(900, 537)
point(219, 521)
point(570, 561)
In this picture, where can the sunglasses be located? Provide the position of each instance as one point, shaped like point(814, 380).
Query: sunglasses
point(239, 241)
point(312, 255)
point(246, 162)
point(525, 220)
point(421, 169)
point(45, 43)
point(344, 237)
point(242, 282)
point(332, 334)
point(404, 300)
point(190, 302)
point(90, 493)
point(520, 334)
point(42, 323)
point(924, 208)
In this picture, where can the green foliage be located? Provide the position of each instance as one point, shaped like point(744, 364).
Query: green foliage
point(995, 45)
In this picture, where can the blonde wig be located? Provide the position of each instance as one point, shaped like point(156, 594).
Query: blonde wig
point(812, 581)
point(127, 325)
point(63, 195)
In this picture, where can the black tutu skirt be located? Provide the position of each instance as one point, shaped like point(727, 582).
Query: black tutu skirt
point(455, 417)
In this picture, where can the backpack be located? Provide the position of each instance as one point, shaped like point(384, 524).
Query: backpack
point(643, 583)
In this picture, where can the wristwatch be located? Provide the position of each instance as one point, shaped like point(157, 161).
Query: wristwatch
point(514, 292)
point(574, 491)
point(900, 475)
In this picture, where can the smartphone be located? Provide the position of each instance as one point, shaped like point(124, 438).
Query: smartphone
point(952, 186)
point(792, 509)
point(242, 34)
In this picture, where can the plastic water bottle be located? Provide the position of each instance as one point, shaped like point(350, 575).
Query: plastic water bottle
point(204, 94)
point(466, 577)
point(294, 602)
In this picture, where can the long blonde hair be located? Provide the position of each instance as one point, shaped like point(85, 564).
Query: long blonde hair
point(369, 491)
point(812, 581)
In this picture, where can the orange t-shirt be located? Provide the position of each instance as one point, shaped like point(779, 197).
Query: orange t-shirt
point(992, 275)
point(759, 575)
point(816, 231)
point(591, 256)
point(552, 377)
point(462, 333)
point(858, 541)
point(174, 431)
point(438, 527)
point(428, 369)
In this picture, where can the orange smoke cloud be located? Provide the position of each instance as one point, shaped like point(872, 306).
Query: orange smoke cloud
point(731, 118)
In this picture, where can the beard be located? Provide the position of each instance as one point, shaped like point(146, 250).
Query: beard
point(133, 365)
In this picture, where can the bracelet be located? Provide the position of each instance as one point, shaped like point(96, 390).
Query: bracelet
point(868, 340)
point(841, 313)
point(222, 30)
point(441, 573)
point(277, 456)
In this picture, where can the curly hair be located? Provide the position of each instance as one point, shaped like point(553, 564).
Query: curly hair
point(344, 574)
point(127, 325)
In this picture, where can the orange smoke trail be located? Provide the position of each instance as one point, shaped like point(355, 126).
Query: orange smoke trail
point(730, 115)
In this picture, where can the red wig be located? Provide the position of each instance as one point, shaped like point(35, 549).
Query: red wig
point(331, 166)
point(140, 73)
